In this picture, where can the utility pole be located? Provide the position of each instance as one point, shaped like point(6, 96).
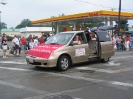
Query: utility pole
point(119, 17)
point(3, 2)
point(0, 23)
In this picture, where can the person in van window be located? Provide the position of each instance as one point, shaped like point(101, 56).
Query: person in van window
point(93, 37)
point(77, 39)
point(4, 46)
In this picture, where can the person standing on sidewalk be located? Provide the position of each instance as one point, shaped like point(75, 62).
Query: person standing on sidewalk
point(128, 43)
point(4, 46)
point(42, 40)
point(29, 38)
point(23, 43)
point(16, 45)
point(0, 42)
point(36, 41)
point(31, 44)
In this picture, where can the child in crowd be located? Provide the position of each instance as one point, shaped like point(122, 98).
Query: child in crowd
point(31, 44)
point(36, 41)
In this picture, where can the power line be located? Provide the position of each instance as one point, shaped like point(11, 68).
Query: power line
point(129, 10)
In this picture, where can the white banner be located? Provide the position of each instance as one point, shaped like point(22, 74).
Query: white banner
point(80, 52)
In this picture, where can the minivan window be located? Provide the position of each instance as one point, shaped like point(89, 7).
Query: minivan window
point(60, 38)
point(103, 36)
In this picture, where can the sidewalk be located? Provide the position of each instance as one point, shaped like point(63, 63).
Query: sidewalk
point(8, 52)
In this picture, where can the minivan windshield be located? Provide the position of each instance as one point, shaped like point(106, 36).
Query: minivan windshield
point(60, 38)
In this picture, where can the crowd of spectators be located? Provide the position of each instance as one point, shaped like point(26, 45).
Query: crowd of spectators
point(121, 43)
point(22, 44)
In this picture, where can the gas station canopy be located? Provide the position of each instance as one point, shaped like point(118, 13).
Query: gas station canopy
point(98, 16)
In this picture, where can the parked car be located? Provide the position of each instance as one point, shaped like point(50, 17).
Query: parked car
point(64, 49)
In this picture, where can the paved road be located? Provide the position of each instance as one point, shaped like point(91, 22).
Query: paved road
point(91, 80)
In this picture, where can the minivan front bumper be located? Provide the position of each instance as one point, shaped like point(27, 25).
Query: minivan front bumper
point(41, 62)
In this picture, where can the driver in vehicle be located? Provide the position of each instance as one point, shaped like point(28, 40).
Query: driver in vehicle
point(77, 39)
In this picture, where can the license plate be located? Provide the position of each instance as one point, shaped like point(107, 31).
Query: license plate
point(31, 60)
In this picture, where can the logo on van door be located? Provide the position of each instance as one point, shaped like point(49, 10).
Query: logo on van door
point(80, 52)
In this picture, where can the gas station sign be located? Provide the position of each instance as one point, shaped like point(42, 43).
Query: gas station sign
point(91, 14)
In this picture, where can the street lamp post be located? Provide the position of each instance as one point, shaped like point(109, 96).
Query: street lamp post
point(0, 23)
point(3, 2)
point(119, 17)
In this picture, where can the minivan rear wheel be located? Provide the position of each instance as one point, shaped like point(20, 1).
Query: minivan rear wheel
point(63, 63)
point(105, 60)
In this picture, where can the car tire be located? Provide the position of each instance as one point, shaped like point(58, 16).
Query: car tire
point(105, 60)
point(63, 63)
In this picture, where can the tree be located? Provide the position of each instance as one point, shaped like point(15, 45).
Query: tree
point(123, 25)
point(27, 23)
point(24, 23)
point(3, 25)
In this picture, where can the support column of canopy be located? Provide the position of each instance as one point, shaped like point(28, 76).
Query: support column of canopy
point(106, 21)
point(57, 27)
point(52, 27)
point(74, 25)
point(111, 24)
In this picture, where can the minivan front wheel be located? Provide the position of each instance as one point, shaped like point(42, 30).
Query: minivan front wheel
point(63, 63)
point(105, 60)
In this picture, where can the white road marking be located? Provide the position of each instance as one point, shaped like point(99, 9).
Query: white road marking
point(18, 69)
point(94, 80)
point(121, 57)
point(75, 77)
point(13, 62)
point(125, 52)
point(22, 87)
point(121, 83)
point(112, 63)
point(124, 70)
point(96, 69)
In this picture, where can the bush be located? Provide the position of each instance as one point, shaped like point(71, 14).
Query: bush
point(9, 38)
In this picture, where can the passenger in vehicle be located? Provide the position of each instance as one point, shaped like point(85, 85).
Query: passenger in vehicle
point(77, 39)
point(93, 37)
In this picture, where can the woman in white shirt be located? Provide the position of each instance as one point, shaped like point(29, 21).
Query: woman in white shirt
point(31, 44)
point(36, 42)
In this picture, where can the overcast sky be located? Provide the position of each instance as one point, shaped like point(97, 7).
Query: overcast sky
point(17, 10)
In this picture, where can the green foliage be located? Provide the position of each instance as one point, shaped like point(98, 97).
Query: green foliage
point(9, 38)
point(123, 25)
point(26, 23)
point(3, 25)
